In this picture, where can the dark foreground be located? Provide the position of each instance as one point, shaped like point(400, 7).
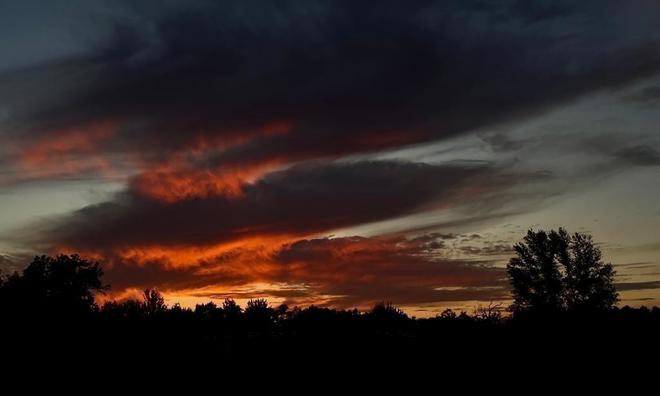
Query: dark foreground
point(314, 335)
point(49, 317)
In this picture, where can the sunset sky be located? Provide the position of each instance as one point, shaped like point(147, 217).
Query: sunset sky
point(334, 153)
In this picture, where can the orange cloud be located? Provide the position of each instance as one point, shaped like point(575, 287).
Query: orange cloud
point(250, 249)
point(185, 175)
point(62, 143)
point(182, 175)
point(218, 246)
point(350, 271)
point(67, 152)
point(169, 184)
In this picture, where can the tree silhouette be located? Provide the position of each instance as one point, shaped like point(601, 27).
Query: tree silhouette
point(208, 311)
point(153, 302)
point(129, 309)
point(231, 309)
point(589, 282)
point(281, 311)
point(62, 285)
point(385, 311)
point(555, 271)
point(491, 313)
point(258, 311)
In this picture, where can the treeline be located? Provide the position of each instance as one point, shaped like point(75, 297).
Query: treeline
point(230, 333)
point(563, 297)
point(62, 289)
point(259, 317)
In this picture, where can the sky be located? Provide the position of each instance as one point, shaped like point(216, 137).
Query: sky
point(336, 153)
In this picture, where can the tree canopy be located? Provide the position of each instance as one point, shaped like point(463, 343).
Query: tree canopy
point(61, 285)
point(555, 271)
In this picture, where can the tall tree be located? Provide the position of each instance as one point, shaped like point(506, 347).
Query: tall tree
point(555, 271)
point(589, 282)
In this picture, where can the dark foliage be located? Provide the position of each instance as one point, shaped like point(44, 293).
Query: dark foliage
point(51, 307)
point(57, 286)
point(555, 271)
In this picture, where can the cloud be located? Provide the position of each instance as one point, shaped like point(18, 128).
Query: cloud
point(7, 264)
point(489, 249)
point(640, 155)
point(646, 96)
point(199, 78)
point(231, 125)
point(301, 200)
point(217, 245)
point(406, 270)
point(628, 286)
point(10, 263)
point(348, 271)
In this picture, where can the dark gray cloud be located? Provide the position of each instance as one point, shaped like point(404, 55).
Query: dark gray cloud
point(304, 199)
point(641, 155)
point(349, 77)
point(627, 286)
point(499, 142)
point(488, 250)
point(648, 95)
point(638, 265)
point(359, 271)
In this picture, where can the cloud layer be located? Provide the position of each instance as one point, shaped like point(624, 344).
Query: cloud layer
point(245, 85)
point(347, 271)
point(240, 129)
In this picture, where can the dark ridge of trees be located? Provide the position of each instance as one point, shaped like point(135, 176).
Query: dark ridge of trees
point(563, 295)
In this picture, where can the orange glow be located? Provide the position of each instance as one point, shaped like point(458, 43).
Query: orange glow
point(349, 271)
point(180, 177)
point(304, 271)
point(60, 151)
point(250, 249)
point(248, 260)
point(207, 140)
point(168, 184)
